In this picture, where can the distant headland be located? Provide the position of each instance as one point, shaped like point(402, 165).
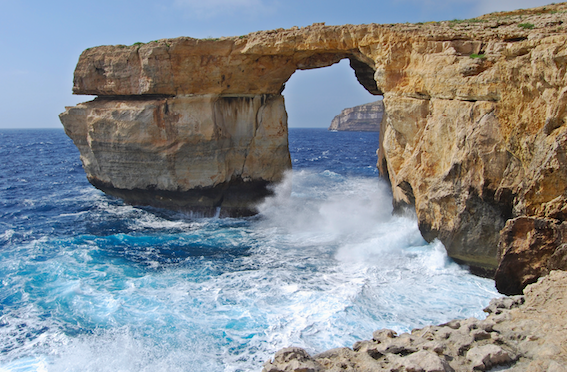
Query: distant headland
point(362, 118)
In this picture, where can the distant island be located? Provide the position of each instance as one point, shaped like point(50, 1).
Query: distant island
point(363, 118)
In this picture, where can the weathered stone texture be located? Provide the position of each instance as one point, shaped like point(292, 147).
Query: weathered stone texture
point(192, 152)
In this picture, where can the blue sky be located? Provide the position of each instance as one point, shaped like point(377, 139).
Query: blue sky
point(40, 43)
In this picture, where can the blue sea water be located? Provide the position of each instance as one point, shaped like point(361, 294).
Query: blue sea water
point(88, 283)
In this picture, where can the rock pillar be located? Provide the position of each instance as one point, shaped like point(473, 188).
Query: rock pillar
point(202, 153)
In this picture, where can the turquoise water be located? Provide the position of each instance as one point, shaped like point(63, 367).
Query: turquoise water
point(90, 284)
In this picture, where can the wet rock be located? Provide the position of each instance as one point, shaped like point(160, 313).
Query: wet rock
point(166, 151)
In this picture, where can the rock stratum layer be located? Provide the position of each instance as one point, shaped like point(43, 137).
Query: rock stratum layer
point(363, 118)
point(473, 134)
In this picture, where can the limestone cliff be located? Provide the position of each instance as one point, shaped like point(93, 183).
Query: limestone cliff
point(196, 153)
point(363, 118)
point(473, 134)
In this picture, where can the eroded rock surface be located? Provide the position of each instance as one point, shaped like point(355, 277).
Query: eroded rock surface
point(521, 333)
point(473, 133)
point(363, 118)
point(195, 153)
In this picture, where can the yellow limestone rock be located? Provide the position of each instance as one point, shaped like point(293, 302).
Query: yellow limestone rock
point(473, 133)
point(195, 153)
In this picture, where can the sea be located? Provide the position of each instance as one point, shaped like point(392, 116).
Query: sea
point(88, 283)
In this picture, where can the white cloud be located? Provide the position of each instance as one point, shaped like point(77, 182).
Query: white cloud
point(213, 8)
point(489, 6)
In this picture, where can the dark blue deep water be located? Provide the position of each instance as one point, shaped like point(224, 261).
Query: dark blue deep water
point(90, 284)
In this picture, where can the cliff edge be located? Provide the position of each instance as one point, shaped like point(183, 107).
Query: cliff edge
point(473, 135)
point(362, 118)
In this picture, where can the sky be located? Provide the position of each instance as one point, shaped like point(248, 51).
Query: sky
point(40, 43)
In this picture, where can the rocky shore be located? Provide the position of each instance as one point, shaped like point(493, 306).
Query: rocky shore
point(362, 118)
point(521, 333)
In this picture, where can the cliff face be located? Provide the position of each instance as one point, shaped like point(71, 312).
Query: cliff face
point(195, 153)
point(473, 133)
point(363, 118)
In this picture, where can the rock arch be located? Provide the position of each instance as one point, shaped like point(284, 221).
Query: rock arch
point(473, 134)
point(196, 124)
